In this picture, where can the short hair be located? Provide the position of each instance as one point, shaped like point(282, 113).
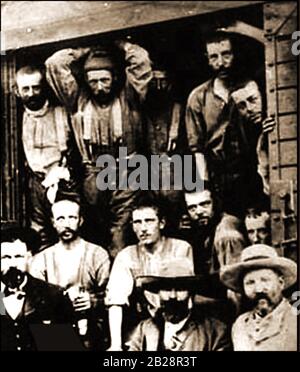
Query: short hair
point(207, 186)
point(150, 201)
point(241, 83)
point(217, 36)
point(70, 196)
point(255, 213)
point(28, 236)
point(30, 69)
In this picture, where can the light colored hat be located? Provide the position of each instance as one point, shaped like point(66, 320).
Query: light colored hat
point(258, 256)
point(176, 273)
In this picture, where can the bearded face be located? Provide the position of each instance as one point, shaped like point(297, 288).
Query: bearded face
point(175, 305)
point(31, 90)
point(220, 58)
point(101, 84)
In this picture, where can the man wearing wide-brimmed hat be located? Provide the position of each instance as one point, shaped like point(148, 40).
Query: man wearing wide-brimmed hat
point(176, 326)
point(262, 276)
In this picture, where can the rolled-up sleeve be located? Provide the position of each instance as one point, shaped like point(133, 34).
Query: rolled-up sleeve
point(121, 282)
point(60, 75)
point(139, 70)
point(194, 121)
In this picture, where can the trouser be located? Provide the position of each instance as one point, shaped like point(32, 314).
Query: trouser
point(40, 210)
point(172, 201)
point(107, 212)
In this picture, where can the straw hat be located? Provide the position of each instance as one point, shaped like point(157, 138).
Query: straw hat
point(258, 256)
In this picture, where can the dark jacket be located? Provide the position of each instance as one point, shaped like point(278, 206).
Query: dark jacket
point(197, 334)
point(44, 304)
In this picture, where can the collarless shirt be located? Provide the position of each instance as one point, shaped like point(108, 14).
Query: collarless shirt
point(277, 331)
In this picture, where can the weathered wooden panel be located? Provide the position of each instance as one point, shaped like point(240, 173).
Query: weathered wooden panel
point(289, 173)
point(287, 100)
point(284, 208)
point(28, 23)
point(287, 74)
point(280, 20)
point(288, 152)
point(288, 126)
point(280, 16)
point(284, 50)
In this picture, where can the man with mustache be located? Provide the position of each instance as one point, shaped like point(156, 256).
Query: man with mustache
point(177, 326)
point(27, 301)
point(217, 240)
point(126, 305)
point(103, 87)
point(262, 276)
point(47, 145)
point(78, 266)
point(215, 133)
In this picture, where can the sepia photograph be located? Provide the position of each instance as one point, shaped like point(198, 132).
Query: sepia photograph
point(149, 167)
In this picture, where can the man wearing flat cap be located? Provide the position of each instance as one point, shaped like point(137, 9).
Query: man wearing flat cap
point(103, 89)
point(262, 276)
point(177, 326)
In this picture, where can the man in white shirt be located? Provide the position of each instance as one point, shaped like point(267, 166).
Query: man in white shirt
point(78, 266)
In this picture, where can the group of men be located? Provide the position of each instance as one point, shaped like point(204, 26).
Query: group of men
point(169, 283)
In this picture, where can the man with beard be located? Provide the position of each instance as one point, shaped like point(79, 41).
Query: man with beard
point(27, 302)
point(105, 108)
point(125, 301)
point(78, 266)
point(177, 326)
point(47, 144)
point(215, 134)
point(261, 276)
point(217, 240)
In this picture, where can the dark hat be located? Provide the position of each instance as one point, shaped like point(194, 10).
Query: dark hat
point(175, 273)
point(99, 60)
point(65, 193)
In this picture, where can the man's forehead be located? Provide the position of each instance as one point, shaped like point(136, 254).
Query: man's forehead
point(197, 197)
point(147, 212)
point(255, 222)
point(218, 46)
point(261, 271)
point(98, 74)
point(65, 207)
point(24, 79)
point(13, 247)
point(242, 94)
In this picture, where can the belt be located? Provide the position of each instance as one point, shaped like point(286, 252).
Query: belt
point(117, 160)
